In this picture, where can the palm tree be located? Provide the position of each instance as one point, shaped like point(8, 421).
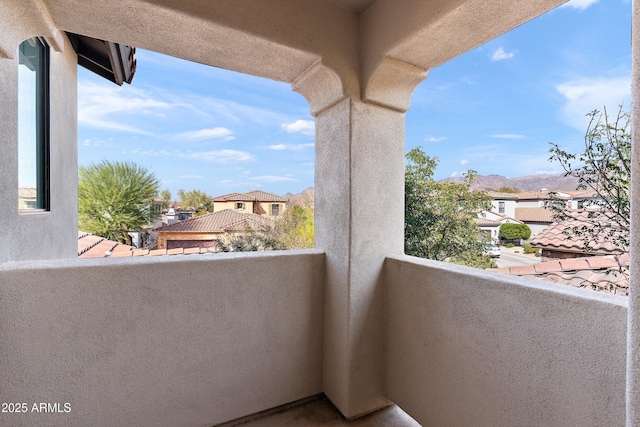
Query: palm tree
point(114, 198)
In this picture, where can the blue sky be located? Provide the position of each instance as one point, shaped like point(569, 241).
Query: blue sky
point(494, 109)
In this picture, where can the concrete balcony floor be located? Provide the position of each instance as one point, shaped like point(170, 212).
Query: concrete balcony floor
point(320, 411)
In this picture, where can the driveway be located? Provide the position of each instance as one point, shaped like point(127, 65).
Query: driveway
point(512, 257)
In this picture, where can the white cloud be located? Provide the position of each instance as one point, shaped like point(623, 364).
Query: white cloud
point(585, 95)
point(305, 127)
point(203, 134)
point(435, 138)
point(454, 174)
point(273, 178)
point(225, 181)
point(579, 4)
point(97, 102)
point(508, 136)
point(291, 146)
point(464, 162)
point(219, 156)
point(499, 54)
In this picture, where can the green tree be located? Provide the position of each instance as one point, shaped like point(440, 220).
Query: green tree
point(440, 218)
point(295, 228)
point(114, 198)
point(510, 231)
point(165, 196)
point(197, 200)
point(604, 167)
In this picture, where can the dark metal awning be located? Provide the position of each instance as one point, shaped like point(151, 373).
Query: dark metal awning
point(115, 62)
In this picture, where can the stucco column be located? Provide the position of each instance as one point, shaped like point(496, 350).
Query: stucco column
point(359, 209)
point(633, 328)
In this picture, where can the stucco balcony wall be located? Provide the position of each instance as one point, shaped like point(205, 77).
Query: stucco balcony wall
point(166, 341)
point(466, 347)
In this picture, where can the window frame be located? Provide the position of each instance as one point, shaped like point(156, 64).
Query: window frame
point(43, 125)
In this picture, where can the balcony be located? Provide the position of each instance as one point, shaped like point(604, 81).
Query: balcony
point(206, 339)
point(201, 340)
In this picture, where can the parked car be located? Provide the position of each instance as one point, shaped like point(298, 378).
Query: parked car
point(489, 249)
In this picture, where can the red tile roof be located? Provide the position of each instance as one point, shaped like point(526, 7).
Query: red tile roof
point(606, 274)
point(218, 222)
point(496, 195)
point(483, 222)
point(541, 214)
point(540, 195)
point(558, 236)
point(251, 196)
point(90, 246)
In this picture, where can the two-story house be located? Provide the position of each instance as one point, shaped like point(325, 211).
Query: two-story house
point(257, 202)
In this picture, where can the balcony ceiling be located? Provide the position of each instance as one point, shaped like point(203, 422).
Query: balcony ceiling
point(357, 6)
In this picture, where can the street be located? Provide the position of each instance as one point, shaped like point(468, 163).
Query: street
point(508, 258)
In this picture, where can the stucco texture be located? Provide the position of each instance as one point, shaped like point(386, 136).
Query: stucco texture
point(467, 348)
point(173, 341)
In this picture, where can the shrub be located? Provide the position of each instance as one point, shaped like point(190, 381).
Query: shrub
point(509, 245)
point(514, 231)
point(528, 249)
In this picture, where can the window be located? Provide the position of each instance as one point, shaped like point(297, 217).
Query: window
point(275, 209)
point(501, 207)
point(580, 204)
point(239, 205)
point(33, 125)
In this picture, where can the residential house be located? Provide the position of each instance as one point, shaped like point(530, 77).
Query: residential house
point(490, 223)
point(503, 203)
point(203, 231)
point(559, 241)
point(538, 218)
point(257, 202)
point(27, 198)
point(204, 340)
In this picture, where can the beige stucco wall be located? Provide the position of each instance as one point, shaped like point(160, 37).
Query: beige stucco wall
point(466, 347)
point(165, 341)
point(40, 235)
point(220, 206)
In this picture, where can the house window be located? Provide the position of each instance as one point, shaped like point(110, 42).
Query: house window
point(275, 209)
point(33, 125)
point(580, 204)
point(501, 207)
point(239, 205)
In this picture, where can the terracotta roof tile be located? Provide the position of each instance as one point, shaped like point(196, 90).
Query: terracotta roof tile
point(558, 236)
point(580, 272)
point(218, 222)
point(547, 267)
point(483, 222)
point(496, 195)
point(540, 214)
point(256, 195)
point(574, 264)
point(90, 246)
point(522, 269)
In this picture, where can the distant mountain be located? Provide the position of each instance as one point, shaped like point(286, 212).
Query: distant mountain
point(305, 198)
point(522, 183)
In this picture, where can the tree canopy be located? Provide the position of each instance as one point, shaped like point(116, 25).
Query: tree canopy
point(114, 198)
point(440, 217)
point(510, 231)
point(603, 168)
point(197, 200)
